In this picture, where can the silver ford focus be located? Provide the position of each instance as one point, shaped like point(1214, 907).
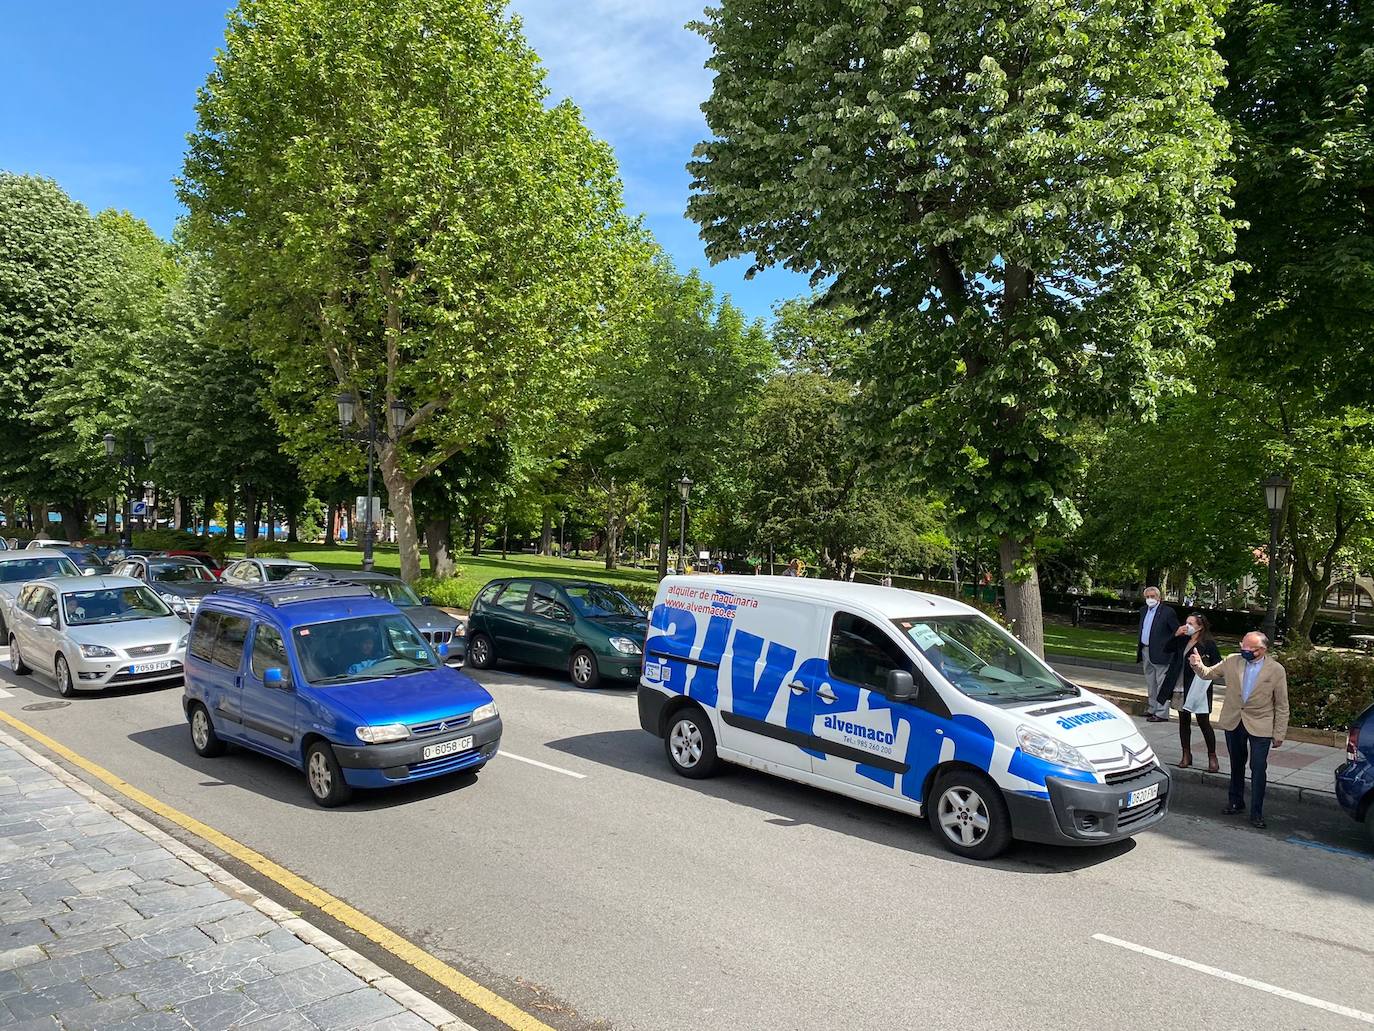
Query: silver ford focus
point(93, 632)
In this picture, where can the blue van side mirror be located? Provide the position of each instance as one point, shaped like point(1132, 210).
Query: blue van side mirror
point(443, 651)
point(900, 686)
point(273, 677)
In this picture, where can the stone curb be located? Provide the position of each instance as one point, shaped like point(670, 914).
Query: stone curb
point(1288, 793)
point(355, 962)
point(1055, 659)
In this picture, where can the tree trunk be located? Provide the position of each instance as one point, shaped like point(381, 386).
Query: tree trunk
point(612, 536)
point(663, 538)
point(231, 515)
point(183, 513)
point(437, 533)
point(546, 537)
point(208, 514)
point(73, 521)
point(250, 515)
point(479, 519)
point(329, 514)
point(271, 519)
point(1023, 595)
point(400, 493)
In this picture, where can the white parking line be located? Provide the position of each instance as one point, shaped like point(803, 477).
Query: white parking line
point(1226, 975)
point(6, 694)
point(542, 766)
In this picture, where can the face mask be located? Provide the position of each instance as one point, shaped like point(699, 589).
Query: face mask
point(1192, 630)
point(1248, 655)
point(1151, 602)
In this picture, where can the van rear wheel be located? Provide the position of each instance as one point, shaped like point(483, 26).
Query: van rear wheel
point(970, 815)
point(691, 744)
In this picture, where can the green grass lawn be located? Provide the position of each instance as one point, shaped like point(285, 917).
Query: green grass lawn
point(475, 573)
point(1102, 643)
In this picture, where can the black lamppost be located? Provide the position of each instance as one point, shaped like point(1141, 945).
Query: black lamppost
point(130, 460)
point(370, 435)
point(1276, 490)
point(684, 488)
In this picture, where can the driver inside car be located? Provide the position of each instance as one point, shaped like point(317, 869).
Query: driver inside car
point(366, 648)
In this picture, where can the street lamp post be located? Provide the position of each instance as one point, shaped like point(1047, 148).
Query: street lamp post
point(129, 460)
point(371, 436)
point(1276, 490)
point(684, 489)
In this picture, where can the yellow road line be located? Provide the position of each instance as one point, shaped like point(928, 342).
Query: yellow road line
point(429, 965)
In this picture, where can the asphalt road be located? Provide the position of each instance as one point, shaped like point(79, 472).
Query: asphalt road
point(627, 897)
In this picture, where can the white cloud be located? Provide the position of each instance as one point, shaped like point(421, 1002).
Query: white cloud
point(631, 65)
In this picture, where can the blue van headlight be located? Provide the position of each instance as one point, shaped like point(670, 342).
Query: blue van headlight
point(625, 645)
point(1051, 749)
point(484, 712)
point(383, 734)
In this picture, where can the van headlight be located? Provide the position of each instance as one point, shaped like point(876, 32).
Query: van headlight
point(484, 712)
point(383, 734)
point(1051, 749)
point(96, 651)
point(625, 645)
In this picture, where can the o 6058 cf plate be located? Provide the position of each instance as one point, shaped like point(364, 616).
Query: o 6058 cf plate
point(453, 747)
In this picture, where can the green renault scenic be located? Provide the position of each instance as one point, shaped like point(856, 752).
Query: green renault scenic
point(587, 628)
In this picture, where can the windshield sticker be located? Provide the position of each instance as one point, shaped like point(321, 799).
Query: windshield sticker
point(925, 637)
point(303, 632)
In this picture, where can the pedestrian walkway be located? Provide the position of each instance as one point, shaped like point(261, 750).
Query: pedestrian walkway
point(1308, 770)
point(107, 923)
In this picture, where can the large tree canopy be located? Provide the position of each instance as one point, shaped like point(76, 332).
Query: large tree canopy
point(1027, 192)
point(395, 210)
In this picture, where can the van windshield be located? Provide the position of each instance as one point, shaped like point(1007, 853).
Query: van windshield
point(982, 661)
point(364, 648)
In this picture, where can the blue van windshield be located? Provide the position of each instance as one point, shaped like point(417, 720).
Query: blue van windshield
point(364, 648)
point(982, 661)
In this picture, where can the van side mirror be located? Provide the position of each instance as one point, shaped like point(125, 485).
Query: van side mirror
point(900, 686)
point(273, 677)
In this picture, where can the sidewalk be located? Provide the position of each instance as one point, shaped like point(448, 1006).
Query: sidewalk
point(108, 923)
point(1298, 772)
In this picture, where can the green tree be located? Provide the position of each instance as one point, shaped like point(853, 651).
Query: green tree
point(1027, 193)
point(397, 211)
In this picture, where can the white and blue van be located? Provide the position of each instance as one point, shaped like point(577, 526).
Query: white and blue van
point(906, 700)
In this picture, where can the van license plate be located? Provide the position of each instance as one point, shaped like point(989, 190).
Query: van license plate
point(1141, 796)
point(461, 744)
point(152, 667)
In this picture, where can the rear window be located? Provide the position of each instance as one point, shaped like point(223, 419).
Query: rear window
point(21, 570)
point(283, 571)
point(513, 597)
point(203, 634)
point(228, 650)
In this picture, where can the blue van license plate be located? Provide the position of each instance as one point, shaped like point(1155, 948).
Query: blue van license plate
point(461, 744)
point(1141, 796)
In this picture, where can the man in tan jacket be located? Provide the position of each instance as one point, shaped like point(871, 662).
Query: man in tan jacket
point(1254, 716)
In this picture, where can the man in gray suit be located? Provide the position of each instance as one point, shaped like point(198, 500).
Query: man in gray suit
point(1158, 625)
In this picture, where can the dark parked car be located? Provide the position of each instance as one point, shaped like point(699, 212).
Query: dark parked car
point(1355, 777)
point(207, 560)
point(85, 560)
point(182, 582)
point(435, 625)
point(589, 629)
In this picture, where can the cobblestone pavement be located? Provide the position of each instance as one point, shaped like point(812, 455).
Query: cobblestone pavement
point(107, 924)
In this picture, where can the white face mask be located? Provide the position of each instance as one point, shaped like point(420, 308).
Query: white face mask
point(1192, 630)
point(1151, 602)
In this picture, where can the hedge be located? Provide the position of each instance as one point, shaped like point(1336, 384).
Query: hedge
point(263, 548)
point(1327, 689)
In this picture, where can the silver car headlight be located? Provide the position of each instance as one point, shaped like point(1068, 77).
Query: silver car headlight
point(484, 712)
point(625, 645)
point(175, 602)
point(181, 645)
point(383, 734)
point(1051, 749)
point(96, 651)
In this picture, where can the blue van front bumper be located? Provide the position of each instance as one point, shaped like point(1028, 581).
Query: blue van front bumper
point(1080, 813)
point(382, 766)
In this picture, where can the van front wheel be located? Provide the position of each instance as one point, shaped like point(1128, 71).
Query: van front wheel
point(969, 815)
point(691, 744)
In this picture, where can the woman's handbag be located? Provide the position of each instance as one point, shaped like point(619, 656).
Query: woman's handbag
point(1196, 699)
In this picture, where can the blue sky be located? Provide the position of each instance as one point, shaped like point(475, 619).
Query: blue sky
point(100, 96)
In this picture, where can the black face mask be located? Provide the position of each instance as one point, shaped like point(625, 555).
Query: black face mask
point(1248, 655)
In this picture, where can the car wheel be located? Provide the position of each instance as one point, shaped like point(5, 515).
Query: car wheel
point(325, 776)
point(204, 740)
point(970, 816)
point(63, 673)
point(17, 660)
point(582, 668)
point(481, 652)
point(691, 744)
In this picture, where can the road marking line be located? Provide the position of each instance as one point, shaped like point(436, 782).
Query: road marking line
point(1226, 975)
point(6, 694)
point(1307, 843)
point(542, 766)
point(429, 965)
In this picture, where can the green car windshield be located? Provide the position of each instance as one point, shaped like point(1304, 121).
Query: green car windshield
point(593, 600)
point(112, 605)
point(397, 593)
point(362, 648)
point(982, 661)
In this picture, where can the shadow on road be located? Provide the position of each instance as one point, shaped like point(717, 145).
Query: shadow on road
point(634, 751)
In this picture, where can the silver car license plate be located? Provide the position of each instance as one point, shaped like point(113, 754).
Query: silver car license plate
point(453, 747)
point(152, 667)
point(1141, 796)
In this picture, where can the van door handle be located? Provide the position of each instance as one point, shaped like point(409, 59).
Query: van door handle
point(826, 693)
point(798, 687)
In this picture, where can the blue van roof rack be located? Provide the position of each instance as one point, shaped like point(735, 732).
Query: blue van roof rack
point(289, 592)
